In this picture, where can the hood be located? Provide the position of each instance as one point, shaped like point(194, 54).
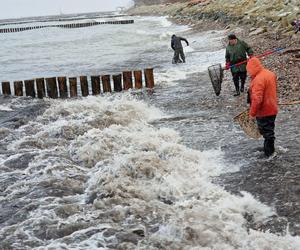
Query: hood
point(254, 66)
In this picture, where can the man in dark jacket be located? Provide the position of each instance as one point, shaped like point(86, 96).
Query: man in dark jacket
point(237, 51)
point(178, 49)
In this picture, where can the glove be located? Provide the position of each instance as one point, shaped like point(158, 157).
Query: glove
point(227, 65)
point(251, 118)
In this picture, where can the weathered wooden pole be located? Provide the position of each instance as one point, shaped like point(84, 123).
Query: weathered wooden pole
point(127, 80)
point(84, 86)
point(138, 75)
point(62, 86)
point(6, 88)
point(40, 87)
point(18, 86)
point(106, 83)
point(117, 82)
point(29, 88)
point(149, 78)
point(73, 86)
point(51, 87)
point(95, 85)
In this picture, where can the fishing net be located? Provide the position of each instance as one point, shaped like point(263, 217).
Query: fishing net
point(216, 76)
point(249, 126)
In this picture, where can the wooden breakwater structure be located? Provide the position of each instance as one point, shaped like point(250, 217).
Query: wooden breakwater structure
point(54, 19)
point(65, 87)
point(67, 26)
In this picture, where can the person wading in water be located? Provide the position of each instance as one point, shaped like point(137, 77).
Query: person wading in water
point(263, 102)
point(178, 49)
point(237, 51)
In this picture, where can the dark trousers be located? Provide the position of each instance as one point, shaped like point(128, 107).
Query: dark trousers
point(266, 127)
point(177, 53)
point(237, 77)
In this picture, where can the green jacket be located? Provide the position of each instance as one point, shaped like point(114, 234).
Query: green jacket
point(237, 53)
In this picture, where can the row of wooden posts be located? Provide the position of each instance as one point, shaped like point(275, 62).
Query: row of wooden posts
point(57, 86)
point(69, 26)
point(57, 19)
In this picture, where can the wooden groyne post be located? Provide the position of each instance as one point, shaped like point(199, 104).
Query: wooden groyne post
point(127, 80)
point(117, 82)
point(29, 88)
point(18, 86)
point(95, 80)
point(62, 86)
point(149, 78)
point(73, 86)
point(54, 87)
point(51, 87)
point(40, 87)
point(106, 83)
point(138, 83)
point(84, 86)
point(6, 88)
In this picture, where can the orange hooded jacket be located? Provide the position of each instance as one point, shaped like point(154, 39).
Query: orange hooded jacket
point(263, 94)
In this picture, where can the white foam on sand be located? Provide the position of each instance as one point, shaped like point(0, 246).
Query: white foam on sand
point(106, 146)
point(5, 108)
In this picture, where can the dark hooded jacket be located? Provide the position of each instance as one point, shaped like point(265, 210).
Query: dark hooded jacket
point(176, 42)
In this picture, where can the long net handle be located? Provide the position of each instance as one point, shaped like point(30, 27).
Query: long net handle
point(281, 104)
point(258, 56)
point(289, 103)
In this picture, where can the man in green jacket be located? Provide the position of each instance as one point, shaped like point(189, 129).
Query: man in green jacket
point(237, 51)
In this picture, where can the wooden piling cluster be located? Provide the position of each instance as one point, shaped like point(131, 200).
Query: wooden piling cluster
point(68, 26)
point(63, 87)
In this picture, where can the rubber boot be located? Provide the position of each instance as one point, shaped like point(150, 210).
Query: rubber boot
point(269, 148)
point(242, 87)
point(237, 89)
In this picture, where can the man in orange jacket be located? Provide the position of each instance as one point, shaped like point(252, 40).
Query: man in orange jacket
point(263, 101)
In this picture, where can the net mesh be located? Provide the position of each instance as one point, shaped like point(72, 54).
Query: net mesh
point(216, 76)
point(249, 126)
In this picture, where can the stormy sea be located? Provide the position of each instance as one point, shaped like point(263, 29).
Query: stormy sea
point(139, 169)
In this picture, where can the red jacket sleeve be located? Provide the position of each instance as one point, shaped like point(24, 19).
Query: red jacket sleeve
point(256, 95)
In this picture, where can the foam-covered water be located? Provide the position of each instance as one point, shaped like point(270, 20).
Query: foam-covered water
point(98, 174)
point(95, 173)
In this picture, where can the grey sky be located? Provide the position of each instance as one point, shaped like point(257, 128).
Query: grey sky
point(24, 8)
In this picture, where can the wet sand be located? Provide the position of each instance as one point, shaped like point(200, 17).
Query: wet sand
point(272, 181)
